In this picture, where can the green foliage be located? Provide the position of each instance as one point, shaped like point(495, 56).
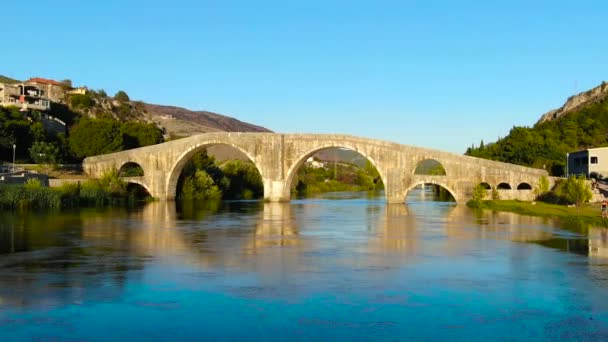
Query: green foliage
point(200, 186)
point(479, 194)
point(575, 190)
point(91, 137)
point(202, 178)
point(81, 101)
point(546, 144)
point(131, 170)
point(44, 153)
point(430, 167)
point(136, 134)
point(542, 187)
point(242, 180)
point(32, 195)
point(121, 96)
point(336, 177)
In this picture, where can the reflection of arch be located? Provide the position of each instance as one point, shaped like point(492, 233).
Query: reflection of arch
point(503, 186)
point(176, 169)
point(131, 169)
point(434, 182)
point(485, 185)
point(430, 167)
point(524, 186)
point(293, 169)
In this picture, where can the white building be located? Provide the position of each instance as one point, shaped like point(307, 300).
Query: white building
point(592, 162)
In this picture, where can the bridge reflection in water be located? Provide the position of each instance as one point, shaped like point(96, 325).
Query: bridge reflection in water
point(272, 241)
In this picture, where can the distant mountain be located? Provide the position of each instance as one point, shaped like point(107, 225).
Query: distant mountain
point(577, 102)
point(180, 122)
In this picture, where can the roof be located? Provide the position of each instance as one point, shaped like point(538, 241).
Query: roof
point(43, 81)
point(589, 149)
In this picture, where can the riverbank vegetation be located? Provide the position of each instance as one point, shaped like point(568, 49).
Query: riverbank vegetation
point(205, 178)
point(568, 199)
point(107, 191)
point(336, 177)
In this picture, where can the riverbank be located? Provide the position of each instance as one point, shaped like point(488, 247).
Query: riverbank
point(589, 212)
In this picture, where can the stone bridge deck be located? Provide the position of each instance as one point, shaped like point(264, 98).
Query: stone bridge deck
point(279, 156)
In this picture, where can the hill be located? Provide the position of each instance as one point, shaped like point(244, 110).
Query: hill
point(4, 79)
point(577, 102)
point(83, 122)
point(180, 122)
point(582, 122)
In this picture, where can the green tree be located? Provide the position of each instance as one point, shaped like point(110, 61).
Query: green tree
point(138, 134)
point(92, 137)
point(200, 186)
point(576, 190)
point(44, 153)
point(121, 96)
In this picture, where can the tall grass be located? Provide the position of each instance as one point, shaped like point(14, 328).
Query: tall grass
point(110, 190)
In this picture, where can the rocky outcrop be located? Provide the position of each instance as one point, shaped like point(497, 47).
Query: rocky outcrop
point(578, 101)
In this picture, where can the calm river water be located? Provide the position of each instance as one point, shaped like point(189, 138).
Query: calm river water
point(340, 267)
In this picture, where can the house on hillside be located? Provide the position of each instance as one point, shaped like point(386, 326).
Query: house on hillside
point(24, 96)
point(53, 90)
point(591, 163)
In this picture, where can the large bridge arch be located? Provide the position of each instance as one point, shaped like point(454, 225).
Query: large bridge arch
point(181, 160)
point(434, 182)
point(292, 170)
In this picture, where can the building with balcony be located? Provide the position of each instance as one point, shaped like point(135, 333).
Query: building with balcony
point(24, 96)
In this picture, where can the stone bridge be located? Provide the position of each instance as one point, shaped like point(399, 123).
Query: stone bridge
point(279, 156)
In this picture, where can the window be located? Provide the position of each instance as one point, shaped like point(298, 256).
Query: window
point(593, 160)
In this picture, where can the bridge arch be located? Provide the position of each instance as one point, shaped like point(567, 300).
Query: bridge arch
point(431, 181)
point(503, 186)
point(131, 169)
point(295, 166)
point(182, 159)
point(430, 167)
point(524, 186)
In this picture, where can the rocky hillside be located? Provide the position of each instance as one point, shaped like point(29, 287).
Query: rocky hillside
point(577, 102)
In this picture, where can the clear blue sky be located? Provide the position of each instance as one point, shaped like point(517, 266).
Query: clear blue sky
point(439, 74)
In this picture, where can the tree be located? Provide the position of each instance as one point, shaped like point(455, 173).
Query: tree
point(44, 153)
point(92, 137)
point(121, 96)
point(138, 134)
point(576, 190)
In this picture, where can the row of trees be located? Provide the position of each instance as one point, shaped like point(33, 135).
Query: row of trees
point(545, 145)
point(337, 177)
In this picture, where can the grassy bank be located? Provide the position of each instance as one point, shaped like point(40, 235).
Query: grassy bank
point(110, 190)
point(589, 212)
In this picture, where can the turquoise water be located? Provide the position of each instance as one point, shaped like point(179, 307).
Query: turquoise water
point(339, 267)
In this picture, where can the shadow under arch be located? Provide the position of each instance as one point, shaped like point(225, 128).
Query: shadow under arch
point(139, 188)
point(295, 166)
point(433, 182)
point(178, 166)
point(131, 169)
point(138, 183)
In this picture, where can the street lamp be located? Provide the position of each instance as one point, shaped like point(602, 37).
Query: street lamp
point(14, 147)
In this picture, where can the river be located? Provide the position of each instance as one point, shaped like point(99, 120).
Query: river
point(337, 267)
